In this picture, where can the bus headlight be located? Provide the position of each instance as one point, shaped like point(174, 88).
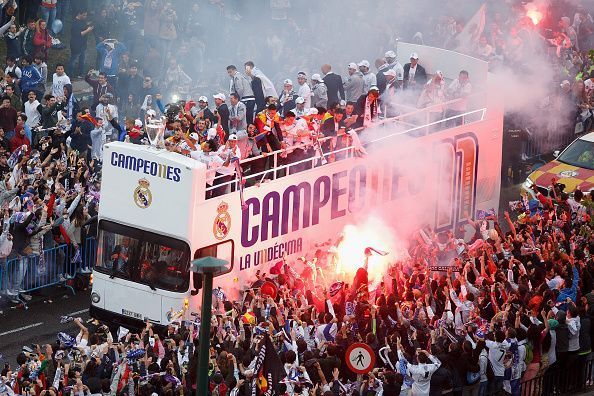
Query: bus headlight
point(95, 297)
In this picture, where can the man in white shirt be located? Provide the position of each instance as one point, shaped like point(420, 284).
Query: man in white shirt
point(229, 153)
point(300, 110)
point(369, 78)
point(304, 91)
point(497, 350)
point(33, 116)
point(296, 133)
point(208, 156)
point(11, 66)
point(421, 373)
point(459, 90)
point(59, 79)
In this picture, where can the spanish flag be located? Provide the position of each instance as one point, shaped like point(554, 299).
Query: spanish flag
point(249, 318)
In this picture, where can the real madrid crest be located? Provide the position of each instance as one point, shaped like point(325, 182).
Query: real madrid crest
point(222, 223)
point(143, 197)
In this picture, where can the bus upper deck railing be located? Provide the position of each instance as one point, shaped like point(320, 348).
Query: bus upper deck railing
point(415, 124)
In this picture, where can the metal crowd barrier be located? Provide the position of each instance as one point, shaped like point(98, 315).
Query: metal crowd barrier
point(58, 265)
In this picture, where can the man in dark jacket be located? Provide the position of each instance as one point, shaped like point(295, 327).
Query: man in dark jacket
point(366, 107)
point(223, 112)
point(415, 76)
point(333, 84)
point(78, 42)
point(100, 87)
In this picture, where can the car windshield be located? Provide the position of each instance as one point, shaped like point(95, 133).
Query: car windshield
point(579, 153)
point(143, 257)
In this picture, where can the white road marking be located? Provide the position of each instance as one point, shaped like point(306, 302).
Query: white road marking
point(77, 312)
point(21, 329)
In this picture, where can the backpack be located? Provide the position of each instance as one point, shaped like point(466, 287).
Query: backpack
point(490, 372)
point(473, 375)
point(529, 353)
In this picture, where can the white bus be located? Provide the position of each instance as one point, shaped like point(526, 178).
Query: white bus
point(154, 217)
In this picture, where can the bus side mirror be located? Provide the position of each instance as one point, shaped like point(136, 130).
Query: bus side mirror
point(556, 153)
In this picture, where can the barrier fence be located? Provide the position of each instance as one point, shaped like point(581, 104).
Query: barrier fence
point(59, 265)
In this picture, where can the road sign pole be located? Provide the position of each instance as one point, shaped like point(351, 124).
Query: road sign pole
point(204, 340)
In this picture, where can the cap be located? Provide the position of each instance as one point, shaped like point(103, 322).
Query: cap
point(211, 134)
point(364, 63)
point(151, 113)
point(414, 55)
point(312, 111)
point(203, 99)
point(220, 96)
point(299, 100)
point(316, 77)
point(390, 72)
point(194, 136)
point(352, 65)
point(302, 74)
point(390, 54)
point(138, 123)
point(374, 88)
point(288, 81)
point(232, 137)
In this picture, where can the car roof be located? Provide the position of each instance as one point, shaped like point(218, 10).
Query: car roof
point(589, 137)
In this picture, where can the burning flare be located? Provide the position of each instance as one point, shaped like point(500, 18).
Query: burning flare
point(374, 233)
point(534, 14)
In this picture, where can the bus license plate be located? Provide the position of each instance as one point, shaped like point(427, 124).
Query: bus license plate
point(131, 314)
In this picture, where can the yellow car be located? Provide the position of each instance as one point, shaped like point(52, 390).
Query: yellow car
point(573, 167)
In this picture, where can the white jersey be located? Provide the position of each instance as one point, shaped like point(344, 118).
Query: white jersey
point(33, 116)
point(305, 92)
point(497, 352)
point(421, 374)
point(58, 83)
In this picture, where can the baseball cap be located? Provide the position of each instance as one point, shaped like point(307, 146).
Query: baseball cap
point(364, 63)
point(138, 123)
point(302, 74)
point(299, 100)
point(203, 99)
point(312, 111)
point(288, 81)
point(414, 55)
point(390, 54)
point(220, 96)
point(374, 88)
point(194, 136)
point(390, 72)
point(352, 65)
point(232, 137)
point(316, 77)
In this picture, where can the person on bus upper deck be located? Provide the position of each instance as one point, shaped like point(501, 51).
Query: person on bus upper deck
point(319, 90)
point(300, 109)
point(242, 87)
point(304, 91)
point(237, 114)
point(222, 112)
point(415, 76)
point(458, 89)
point(393, 64)
point(353, 86)
point(287, 97)
point(367, 108)
point(229, 153)
point(369, 78)
point(268, 122)
point(334, 84)
point(203, 112)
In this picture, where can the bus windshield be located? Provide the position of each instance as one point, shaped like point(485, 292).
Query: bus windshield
point(143, 257)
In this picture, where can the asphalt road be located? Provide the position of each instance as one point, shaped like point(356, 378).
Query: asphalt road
point(40, 322)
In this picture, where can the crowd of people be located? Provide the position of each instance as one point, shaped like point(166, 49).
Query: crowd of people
point(512, 310)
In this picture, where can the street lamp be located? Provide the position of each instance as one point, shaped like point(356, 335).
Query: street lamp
point(209, 267)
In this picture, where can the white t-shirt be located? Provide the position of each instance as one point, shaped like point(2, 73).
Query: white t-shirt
point(15, 69)
point(411, 72)
point(305, 92)
point(33, 116)
point(224, 153)
point(421, 374)
point(496, 355)
point(58, 83)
